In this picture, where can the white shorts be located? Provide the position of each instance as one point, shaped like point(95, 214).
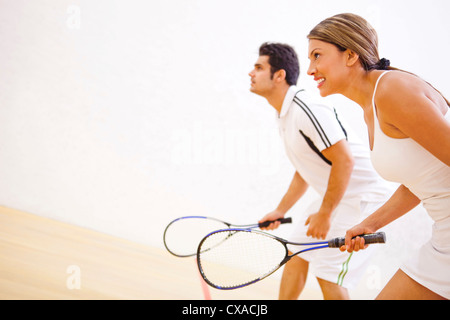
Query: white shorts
point(330, 264)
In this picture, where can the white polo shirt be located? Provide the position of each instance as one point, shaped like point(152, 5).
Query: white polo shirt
point(307, 128)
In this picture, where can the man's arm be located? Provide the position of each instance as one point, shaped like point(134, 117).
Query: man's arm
point(341, 169)
point(296, 190)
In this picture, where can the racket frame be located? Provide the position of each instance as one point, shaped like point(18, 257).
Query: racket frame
point(316, 245)
point(227, 224)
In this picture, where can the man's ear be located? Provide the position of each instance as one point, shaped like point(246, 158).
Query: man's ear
point(352, 57)
point(280, 75)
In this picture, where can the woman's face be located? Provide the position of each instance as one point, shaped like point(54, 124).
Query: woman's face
point(328, 66)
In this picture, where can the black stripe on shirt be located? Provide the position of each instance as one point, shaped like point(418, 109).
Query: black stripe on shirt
point(314, 148)
point(314, 121)
point(342, 127)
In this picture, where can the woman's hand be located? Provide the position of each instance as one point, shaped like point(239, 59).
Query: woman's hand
point(357, 243)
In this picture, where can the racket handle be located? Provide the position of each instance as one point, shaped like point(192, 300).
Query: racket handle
point(282, 220)
point(378, 237)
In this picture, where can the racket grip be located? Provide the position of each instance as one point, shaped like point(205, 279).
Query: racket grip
point(378, 237)
point(282, 221)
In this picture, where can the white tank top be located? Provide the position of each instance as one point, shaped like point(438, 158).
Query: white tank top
point(406, 162)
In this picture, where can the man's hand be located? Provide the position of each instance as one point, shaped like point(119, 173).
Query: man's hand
point(274, 215)
point(319, 225)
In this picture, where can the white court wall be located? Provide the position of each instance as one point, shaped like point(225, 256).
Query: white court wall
point(120, 116)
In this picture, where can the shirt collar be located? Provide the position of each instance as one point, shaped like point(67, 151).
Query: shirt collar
point(290, 94)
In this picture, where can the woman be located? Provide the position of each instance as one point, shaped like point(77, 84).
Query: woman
point(408, 124)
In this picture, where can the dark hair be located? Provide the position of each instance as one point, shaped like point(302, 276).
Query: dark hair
point(282, 56)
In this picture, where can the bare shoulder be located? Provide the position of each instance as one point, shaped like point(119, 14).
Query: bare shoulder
point(398, 83)
point(405, 92)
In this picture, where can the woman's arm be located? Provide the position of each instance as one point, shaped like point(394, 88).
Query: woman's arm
point(400, 203)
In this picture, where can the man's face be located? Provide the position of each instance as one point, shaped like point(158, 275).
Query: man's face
point(260, 76)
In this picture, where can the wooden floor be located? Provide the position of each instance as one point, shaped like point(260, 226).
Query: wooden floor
point(49, 260)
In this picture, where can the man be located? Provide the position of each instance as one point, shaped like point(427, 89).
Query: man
point(329, 158)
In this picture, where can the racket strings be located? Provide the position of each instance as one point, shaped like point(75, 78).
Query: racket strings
point(240, 259)
point(182, 236)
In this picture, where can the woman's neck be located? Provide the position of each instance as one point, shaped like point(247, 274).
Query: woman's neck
point(360, 88)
